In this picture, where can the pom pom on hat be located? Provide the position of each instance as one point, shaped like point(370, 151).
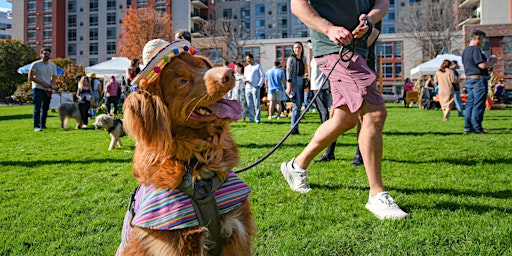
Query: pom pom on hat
point(156, 54)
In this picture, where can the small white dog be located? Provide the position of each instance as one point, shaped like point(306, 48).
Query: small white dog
point(113, 126)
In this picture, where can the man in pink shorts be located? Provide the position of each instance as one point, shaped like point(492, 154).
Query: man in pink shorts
point(354, 92)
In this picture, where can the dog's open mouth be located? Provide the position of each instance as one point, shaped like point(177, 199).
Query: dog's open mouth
point(222, 109)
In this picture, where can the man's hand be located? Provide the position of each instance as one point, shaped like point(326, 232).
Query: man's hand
point(363, 27)
point(339, 35)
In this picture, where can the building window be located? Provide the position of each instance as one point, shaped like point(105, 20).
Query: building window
point(282, 9)
point(215, 55)
point(111, 5)
point(398, 69)
point(93, 20)
point(93, 5)
point(111, 33)
point(31, 6)
point(283, 52)
point(385, 49)
point(260, 23)
point(31, 34)
point(142, 1)
point(508, 67)
point(93, 61)
point(47, 34)
point(47, 45)
point(260, 10)
point(72, 21)
point(161, 8)
point(47, 5)
point(71, 49)
point(72, 6)
point(47, 19)
point(93, 34)
point(283, 23)
point(245, 13)
point(31, 20)
point(111, 47)
point(507, 45)
point(227, 13)
point(93, 48)
point(72, 35)
point(160, 1)
point(111, 18)
point(255, 51)
point(398, 49)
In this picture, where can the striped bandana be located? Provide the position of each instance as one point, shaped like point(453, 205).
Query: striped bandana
point(163, 209)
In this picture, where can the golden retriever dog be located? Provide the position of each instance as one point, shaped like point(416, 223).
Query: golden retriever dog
point(114, 127)
point(183, 156)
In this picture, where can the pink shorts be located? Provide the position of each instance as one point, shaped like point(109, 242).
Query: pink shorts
point(352, 82)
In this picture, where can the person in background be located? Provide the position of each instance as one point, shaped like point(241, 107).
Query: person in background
point(408, 87)
point(499, 91)
point(111, 90)
point(355, 96)
point(132, 71)
point(456, 89)
point(97, 93)
point(295, 71)
point(253, 79)
point(84, 96)
point(476, 67)
point(445, 78)
point(42, 75)
point(239, 90)
point(428, 92)
point(274, 84)
point(183, 34)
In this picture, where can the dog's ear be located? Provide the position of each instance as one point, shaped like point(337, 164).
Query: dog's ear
point(145, 118)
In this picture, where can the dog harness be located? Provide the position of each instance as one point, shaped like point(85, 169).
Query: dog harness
point(116, 123)
point(163, 209)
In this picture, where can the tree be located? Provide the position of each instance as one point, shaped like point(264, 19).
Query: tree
point(140, 26)
point(13, 54)
point(226, 34)
point(67, 83)
point(430, 23)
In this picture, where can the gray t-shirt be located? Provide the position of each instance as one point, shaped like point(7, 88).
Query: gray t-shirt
point(44, 72)
point(343, 13)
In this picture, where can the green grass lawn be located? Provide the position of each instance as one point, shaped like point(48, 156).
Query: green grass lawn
point(64, 193)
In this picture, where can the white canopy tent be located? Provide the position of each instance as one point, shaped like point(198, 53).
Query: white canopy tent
point(116, 66)
point(430, 67)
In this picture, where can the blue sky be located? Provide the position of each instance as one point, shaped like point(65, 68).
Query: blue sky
point(5, 4)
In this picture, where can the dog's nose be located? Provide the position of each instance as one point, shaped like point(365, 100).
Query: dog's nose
point(226, 76)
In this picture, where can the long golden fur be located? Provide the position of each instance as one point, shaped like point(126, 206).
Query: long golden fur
point(171, 122)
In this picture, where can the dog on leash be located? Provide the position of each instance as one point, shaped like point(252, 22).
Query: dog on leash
point(188, 201)
point(114, 127)
point(67, 111)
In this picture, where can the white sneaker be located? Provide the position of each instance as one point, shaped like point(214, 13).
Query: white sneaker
point(384, 207)
point(269, 118)
point(296, 177)
point(37, 129)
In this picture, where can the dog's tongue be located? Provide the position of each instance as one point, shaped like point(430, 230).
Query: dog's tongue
point(227, 109)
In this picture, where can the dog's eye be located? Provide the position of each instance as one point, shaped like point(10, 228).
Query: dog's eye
point(183, 82)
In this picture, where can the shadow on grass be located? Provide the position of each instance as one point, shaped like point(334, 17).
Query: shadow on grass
point(15, 117)
point(455, 161)
point(30, 163)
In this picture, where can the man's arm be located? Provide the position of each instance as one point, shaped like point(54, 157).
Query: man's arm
point(307, 14)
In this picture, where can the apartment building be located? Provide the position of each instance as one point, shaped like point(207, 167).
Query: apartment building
point(5, 24)
point(86, 31)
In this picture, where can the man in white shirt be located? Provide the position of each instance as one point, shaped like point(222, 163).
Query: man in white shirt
point(253, 79)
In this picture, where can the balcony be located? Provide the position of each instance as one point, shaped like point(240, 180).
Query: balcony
point(198, 17)
point(201, 4)
point(468, 3)
point(470, 20)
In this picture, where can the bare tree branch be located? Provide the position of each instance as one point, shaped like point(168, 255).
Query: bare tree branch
point(430, 23)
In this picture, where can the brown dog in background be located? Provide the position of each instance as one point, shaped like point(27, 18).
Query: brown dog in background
point(180, 122)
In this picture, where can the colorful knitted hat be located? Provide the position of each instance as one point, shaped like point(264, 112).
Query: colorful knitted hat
point(156, 54)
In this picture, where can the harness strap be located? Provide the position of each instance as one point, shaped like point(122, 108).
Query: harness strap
point(116, 123)
point(202, 193)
